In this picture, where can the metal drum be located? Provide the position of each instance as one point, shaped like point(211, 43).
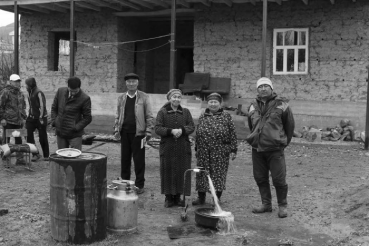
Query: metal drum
point(122, 207)
point(78, 198)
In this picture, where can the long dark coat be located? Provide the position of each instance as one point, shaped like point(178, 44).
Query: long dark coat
point(215, 140)
point(175, 154)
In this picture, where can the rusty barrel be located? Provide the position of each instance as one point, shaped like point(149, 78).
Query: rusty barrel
point(78, 203)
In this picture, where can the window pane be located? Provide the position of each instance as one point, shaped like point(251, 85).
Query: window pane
point(302, 40)
point(302, 60)
point(279, 38)
point(290, 60)
point(279, 64)
point(290, 38)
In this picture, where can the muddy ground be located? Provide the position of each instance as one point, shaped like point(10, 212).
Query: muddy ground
point(328, 202)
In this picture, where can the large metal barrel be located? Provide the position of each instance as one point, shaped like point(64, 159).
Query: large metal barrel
point(78, 190)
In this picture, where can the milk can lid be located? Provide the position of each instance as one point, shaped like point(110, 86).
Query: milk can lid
point(122, 184)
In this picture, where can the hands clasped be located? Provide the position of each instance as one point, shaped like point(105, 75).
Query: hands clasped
point(177, 133)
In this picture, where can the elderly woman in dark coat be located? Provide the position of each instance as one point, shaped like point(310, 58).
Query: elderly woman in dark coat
point(174, 124)
point(216, 143)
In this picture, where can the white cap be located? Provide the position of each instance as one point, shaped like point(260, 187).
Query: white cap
point(14, 77)
point(264, 81)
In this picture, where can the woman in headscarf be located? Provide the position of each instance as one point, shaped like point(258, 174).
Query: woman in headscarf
point(174, 124)
point(216, 143)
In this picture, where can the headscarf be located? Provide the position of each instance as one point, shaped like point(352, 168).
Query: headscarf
point(215, 96)
point(172, 92)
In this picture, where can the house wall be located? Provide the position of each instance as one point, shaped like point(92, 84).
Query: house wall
point(227, 43)
point(97, 66)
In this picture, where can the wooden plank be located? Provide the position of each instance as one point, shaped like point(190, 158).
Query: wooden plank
point(143, 3)
point(183, 3)
point(53, 7)
point(306, 2)
point(279, 2)
point(228, 2)
point(205, 2)
point(253, 2)
point(88, 6)
point(127, 4)
point(155, 13)
point(35, 8)
point(159, 2)
point(31, 2)
point(67, 6)
point(332, 1)
point(105, 4)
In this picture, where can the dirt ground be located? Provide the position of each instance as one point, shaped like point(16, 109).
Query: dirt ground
point(328, 202)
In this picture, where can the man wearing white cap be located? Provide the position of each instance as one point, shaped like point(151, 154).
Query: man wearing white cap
point(13, 108)
point(272, 125)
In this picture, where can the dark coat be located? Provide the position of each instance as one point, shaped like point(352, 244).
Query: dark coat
point(70, 115)
point(12, 105)
point(271, 125)
point(175, 153)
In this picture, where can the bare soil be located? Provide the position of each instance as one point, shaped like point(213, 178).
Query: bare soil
point(328, 202)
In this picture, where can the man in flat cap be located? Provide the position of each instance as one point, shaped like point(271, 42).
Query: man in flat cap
point(13, 110)
point(271, 124)
point(133, 123)
point(70, 114)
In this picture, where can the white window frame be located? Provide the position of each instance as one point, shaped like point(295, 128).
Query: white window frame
point(287, 47)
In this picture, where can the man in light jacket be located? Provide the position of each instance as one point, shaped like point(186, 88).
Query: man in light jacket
point(271, 124)
point(133, 125)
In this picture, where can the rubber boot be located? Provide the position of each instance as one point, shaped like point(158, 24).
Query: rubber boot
point(168, 201)
point(282, 200)
point(266, 200)
point(178, 201)
point(200, 200)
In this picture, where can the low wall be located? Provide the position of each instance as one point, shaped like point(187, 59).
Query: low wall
point(306, 113)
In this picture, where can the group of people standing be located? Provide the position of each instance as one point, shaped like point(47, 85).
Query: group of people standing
point(70, 114)
point(270, 121)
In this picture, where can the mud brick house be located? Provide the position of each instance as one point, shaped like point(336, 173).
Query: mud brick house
point(317, 50)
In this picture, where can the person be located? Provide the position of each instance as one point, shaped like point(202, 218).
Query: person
point(70, 114)
point(13, 110)
point(216, 143)
point(133, 125)
point(271, 123)
point(37, 117)
point(174, 124)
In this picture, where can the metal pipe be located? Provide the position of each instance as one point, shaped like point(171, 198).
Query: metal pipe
point(16, 38)
point(172, 46)
point(71, 40)
point(263, 41)
point(366, 144)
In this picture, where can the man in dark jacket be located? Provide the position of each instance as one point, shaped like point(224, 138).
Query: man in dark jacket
point(133, 124)
point(272, 125)
point(70, 114)
point(37, 117)
point(13, 110)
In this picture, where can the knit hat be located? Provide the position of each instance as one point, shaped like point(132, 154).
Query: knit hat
point(172, 92)
point(131, 76)
point(215, 96)
point(264, 81)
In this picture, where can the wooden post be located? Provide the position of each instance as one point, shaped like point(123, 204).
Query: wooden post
point(263, 41)
point(16, 39)
point(366, 144)
point(172, 82)
point(71, 39)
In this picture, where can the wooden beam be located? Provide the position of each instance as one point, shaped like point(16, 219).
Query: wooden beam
point(31, 2)
point(88, 6)
point(228, 2)
point(159, 2)
point(165, 12)
point(306, 2)
point(127, 4)
point(253, 2)
point(67, 6)
point(105, 4)
point(142, 3)
point(332, 1)
point(354, 1)
point(183, 3)
point(35, 8)
point(53, 7)
point(279, 2)
point(205, 2)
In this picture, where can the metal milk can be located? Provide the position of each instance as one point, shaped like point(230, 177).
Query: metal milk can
point(122, 207)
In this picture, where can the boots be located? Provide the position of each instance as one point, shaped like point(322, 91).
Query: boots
point(177, 200)
point(282, 200)
point(266, 200)
point(168, 201)
point(200, 200)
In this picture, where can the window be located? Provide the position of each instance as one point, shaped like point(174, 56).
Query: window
point(290, 51)
point(58, 51)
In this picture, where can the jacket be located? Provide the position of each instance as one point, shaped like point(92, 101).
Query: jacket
point(37, 104)
point(70, 115)
point(12, 105)
point(271, 125)
point(143, 113)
